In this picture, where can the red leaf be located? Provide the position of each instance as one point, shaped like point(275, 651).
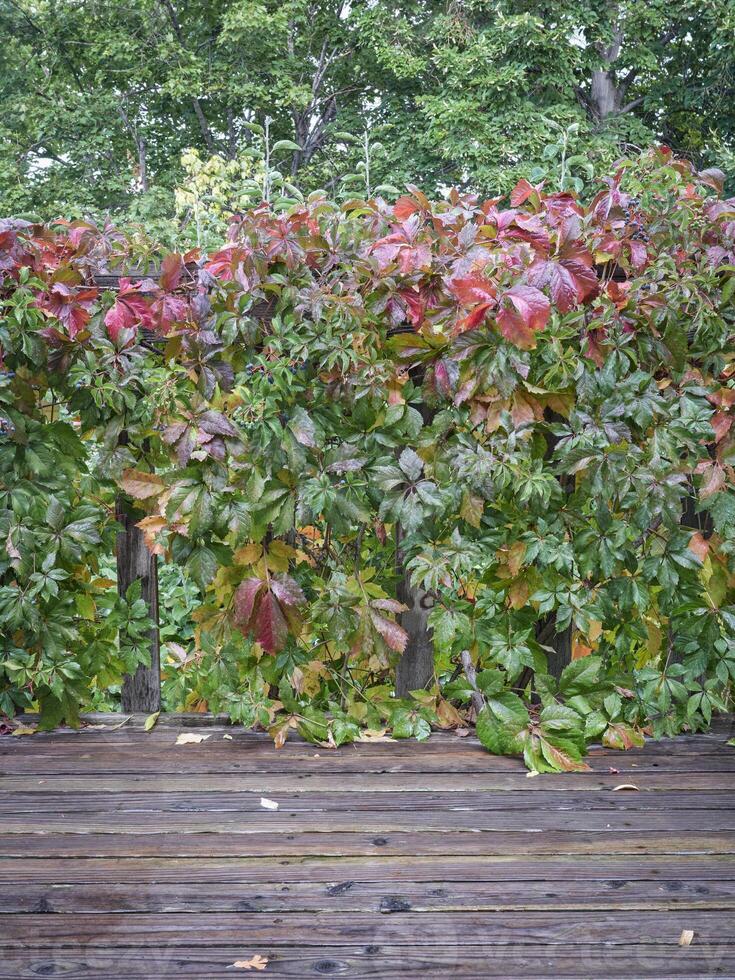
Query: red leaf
point(721, 423)
point(474, 289)
point(524, 310)
point(270, 623)
point(287, 591)
point(130, 309)
point(393, 634)
point(171, 270)
point(570, 281)
point(522, 192)
point(244, 602)
point(69, 304)
point(404, 208)
point(714, 480)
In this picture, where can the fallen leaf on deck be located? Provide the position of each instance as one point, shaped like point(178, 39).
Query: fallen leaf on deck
point(531, 773)
point(228, 737)
point(150, 721)
point(268, 804)
point(461, 732)
point(120, 724)
point(731, 741)
point(624, 786)
point(374, 735)
point(685, 939)
point(256, 963)
point(185, 738)
point(24, 730)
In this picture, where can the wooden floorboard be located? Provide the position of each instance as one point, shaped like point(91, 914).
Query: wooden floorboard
point(124, 855)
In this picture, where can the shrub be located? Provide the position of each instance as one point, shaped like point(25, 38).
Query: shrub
point(505, 430)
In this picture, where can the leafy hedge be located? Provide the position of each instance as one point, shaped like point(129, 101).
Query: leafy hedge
point(527, 406)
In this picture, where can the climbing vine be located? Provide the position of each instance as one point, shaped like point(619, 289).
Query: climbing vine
point(507, 424)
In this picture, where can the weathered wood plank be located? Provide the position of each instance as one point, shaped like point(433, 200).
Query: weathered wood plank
point(376, 868)
point(377, 962)
point(457, 821)
point(350, 895)
point(223, 757)
point(357, 929)
point(356, 782)
point(256, 744)
point(362, 844)
point(330, 801)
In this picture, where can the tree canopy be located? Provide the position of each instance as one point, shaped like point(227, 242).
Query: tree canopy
point(101, 99)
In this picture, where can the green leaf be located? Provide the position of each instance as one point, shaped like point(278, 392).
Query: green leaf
point(150, 721)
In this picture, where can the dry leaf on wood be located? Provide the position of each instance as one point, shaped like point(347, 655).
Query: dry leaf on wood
point(268, 804)
point(186, 738)
point(256, 963)
point(685, 939)
point(24, 730)
point(374, 735)
point(624, 786)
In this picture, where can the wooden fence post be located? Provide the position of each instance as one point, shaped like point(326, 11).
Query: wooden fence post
point(415, 669)
point(141, 691)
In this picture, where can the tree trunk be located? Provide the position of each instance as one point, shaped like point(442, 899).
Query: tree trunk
point(141, 691)
point(415, 669)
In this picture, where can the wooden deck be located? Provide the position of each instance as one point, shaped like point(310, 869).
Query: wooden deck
point(124, 855)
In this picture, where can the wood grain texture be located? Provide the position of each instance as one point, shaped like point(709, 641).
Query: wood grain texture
point(125, 855)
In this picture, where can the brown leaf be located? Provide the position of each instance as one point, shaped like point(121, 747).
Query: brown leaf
point(141, 485)
point(393, 634)
point(151, 526)
point(698, 545)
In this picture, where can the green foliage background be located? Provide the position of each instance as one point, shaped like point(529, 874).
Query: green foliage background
point(101, 99)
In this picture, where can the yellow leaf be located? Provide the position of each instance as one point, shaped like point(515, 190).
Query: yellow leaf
point(151, 526)
point(447, 715)
point(595, 631)
point(515, 557)
point(472, 508)
point(249, 554)
point(518, 592)
point(686, 937)
point(279, 556)
point(374, 735)
point(187, 738)
point(257, 962)
point(21, 729)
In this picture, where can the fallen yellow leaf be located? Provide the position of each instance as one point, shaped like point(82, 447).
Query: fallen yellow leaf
point(685, 939)
point(23, 730)
point(185, 738)
point(257, 962)
point(624, 786)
